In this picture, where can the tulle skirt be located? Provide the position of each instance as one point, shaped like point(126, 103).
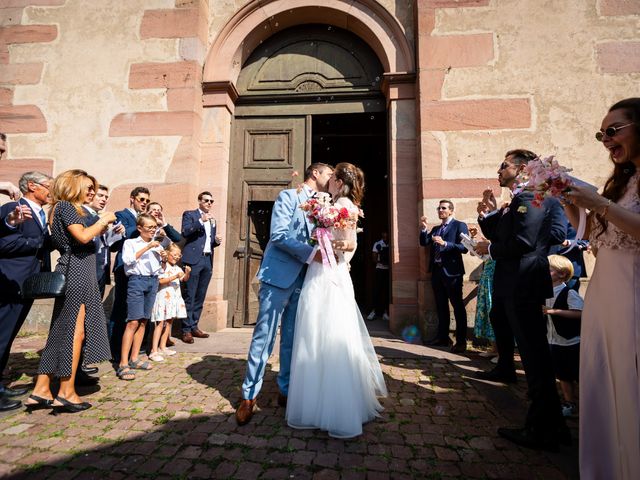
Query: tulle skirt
point(335, 373)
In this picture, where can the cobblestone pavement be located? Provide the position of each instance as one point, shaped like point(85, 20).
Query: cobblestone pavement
point(177, 421)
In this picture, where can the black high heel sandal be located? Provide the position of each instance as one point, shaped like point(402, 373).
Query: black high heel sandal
point(39, 405)
point(67, 406)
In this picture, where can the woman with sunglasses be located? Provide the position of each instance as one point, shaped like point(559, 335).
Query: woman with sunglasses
point(609, 378)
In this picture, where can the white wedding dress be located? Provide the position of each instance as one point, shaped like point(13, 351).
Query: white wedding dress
point(335, 375)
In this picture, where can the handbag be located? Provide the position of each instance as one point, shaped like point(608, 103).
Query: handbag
point(45, 285)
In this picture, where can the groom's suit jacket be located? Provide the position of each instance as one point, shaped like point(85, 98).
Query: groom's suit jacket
point(288, 248)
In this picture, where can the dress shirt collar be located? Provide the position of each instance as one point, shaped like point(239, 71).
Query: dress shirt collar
point(133, 212)
point(90, 210)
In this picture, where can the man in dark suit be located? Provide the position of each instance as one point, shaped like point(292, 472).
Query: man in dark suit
point(138, 201)
point(520, 235)
point(200, 232)
point(24, 250)
point(447, 271)
point(104, 241)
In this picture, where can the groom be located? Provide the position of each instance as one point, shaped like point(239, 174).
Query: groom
point(281, 276)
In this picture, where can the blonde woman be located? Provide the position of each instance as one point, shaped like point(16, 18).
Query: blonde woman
point(78, 315)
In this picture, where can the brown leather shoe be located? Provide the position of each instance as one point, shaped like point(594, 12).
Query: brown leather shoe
point(199, 333)
point(245, 411)
point(282, 400)
point(187, 337)
point(170, 343)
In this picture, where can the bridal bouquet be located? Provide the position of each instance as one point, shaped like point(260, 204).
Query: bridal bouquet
point(547, 178)
point(324, 216)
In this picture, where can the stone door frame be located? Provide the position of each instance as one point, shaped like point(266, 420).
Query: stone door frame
point(257, 21)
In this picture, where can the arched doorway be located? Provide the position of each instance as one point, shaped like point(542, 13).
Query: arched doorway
point(310, 93)
point(251, 27)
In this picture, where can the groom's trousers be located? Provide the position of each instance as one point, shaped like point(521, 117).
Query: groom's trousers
point(277, 306)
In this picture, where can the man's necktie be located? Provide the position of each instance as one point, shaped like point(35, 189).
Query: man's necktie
point(436, 252)
point(43, 218)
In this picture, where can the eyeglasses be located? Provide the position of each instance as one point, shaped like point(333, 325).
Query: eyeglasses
point(48, 187)
point(505, 165)
point(207, 201)
point(610, 131)
point(150, 228)
point(143, 200)
point(442, 208)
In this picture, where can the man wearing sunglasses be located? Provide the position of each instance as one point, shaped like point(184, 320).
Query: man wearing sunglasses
point(520, 235)
point(199, 228)
point(138, 201)
point(447, 271)
point(24, 250)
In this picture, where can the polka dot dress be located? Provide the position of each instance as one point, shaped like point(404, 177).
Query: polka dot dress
point(82, 288)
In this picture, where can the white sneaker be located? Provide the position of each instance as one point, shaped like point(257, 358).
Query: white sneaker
point(385, 317)
point(167, 352)
point(156, 357)
point(372, 315)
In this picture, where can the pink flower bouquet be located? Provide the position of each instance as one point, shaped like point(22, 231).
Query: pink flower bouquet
point(325, 216)
point(547, 178)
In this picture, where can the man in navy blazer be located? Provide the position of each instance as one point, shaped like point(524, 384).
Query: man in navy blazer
point(199, 229)
point(447, 271)
point(138, 201)
point(520, 235)
point(24, 250)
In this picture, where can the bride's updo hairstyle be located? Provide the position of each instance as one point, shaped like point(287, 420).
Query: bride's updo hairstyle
point(352, 182)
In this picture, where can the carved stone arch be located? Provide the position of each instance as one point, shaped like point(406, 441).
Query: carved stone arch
point(260, 19)
point(311, 59)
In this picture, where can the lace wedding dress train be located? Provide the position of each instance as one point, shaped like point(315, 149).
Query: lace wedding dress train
point(335, 373)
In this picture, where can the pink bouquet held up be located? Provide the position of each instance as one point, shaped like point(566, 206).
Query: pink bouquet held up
point(547, 178)
point(324, 216)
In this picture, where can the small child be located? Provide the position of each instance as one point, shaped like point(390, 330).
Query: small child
point(142, 257)
point(564, 312)
point(169, 303)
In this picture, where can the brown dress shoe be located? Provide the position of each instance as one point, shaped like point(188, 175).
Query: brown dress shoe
point(187, 337)
point(245, 411)
point(199, 333)
point(282, 400)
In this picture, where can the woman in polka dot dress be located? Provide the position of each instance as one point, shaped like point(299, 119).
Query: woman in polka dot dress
point(79, 315)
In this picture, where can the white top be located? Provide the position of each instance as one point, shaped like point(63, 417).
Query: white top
point(36, 209)
point(575, 302)
point(149, 262)
point(207, 229)
point(382, 244)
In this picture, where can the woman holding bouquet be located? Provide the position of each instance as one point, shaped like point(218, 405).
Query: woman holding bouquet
point(335, 374)
point(609, 376)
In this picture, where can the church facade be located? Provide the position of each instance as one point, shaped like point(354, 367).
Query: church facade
point(237, 97)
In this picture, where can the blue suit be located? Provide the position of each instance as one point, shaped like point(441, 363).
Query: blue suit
point(447, 271)
point(193, 230)
point(24, 250)
point(281, 275)
point(118, 319)
point(103, 258)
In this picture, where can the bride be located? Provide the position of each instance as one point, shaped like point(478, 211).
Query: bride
point(335, 374)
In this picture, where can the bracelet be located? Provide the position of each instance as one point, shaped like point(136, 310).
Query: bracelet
point(605, 210)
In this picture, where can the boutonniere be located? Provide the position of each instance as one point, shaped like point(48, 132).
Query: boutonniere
point(505, 210)
point(522, 209)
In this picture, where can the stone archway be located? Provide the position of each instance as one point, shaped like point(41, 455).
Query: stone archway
point(260, 19)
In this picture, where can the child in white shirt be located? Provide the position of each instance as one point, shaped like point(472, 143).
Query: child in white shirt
point(564, 312)
point(142, 259)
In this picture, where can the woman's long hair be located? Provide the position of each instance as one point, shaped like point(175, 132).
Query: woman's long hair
point(70, 186)
point(616, 185)
point(352, 182)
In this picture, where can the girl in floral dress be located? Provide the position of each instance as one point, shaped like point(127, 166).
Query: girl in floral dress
point(169, 303)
